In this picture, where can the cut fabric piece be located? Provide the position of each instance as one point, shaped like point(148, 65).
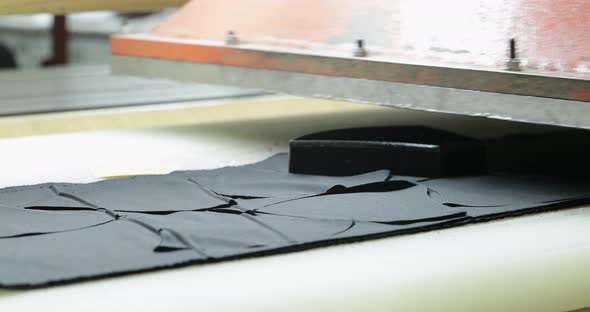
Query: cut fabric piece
point(217, 233)
point(403, 206)
point(375, 187)
point(105, 250)
point(504, 190)
point(170, 241)
point(21, 222)
point(167, 193)
point(261, 181)
point(21, 196)
point(306, 230)
point(60, 233)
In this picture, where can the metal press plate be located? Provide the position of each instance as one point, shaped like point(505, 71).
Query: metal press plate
point(436, 99)
point(447, 57)
point(569, 86)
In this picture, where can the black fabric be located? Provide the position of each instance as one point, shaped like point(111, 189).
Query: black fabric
point(430, 152)
point(409, 150)
point(59, 233)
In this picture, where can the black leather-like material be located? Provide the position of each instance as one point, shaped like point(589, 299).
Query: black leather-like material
point(59, 233)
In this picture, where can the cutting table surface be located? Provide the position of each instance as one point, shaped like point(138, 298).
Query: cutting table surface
point(533, 263)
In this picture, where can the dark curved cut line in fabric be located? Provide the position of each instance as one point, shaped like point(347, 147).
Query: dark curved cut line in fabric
point(439, 200)
point(55, 232)
point(185, 242)
point(231, 208)
point(246, 214)
point(352, 224)
point(441, 218)
point(526, 211)
point(72, 197)
point(209, 191)
point(169, 212)
point(453, 205)
point(155, 231)
point(257, 246)
point(109, 212)
point(401, 222)
point(59, 208)
point(142, 224)
point(374, 187)
point(226, 211)
point(242, 196)
point(426, 179)
point(587, 196)
point(220, 195)
point(161, 248)
point(201, 251)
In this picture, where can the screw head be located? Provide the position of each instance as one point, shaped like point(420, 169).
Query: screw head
point(513, 63)
point(231, 38)
point(512, 48)
point(360, 50)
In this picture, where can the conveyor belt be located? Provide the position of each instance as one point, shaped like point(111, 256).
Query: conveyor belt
point(90, 87)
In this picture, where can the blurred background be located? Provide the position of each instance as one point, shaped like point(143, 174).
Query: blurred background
point(27, 41)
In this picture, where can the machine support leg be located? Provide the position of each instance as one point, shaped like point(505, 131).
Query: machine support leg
point(59, 42)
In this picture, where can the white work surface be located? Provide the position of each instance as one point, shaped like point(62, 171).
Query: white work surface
point(538, 262)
